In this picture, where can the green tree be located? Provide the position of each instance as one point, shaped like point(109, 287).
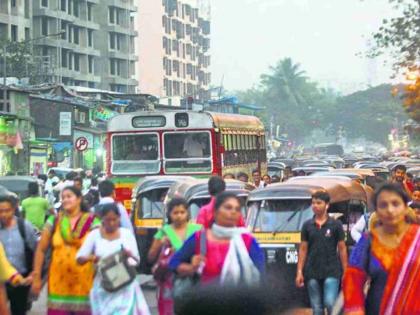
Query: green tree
point(369, 114)
point(19, 59)
point(291, 100)
point(400, 37)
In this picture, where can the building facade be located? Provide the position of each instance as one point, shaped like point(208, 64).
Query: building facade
point(15, 19)
point(173, 45)
point(86, 42)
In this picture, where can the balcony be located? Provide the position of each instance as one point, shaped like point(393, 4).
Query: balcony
point(115, 28)
point(80, 76)
point(66, 45)
point(123, 4)
point(121, 81)
point(122, 55)
point(58, 14)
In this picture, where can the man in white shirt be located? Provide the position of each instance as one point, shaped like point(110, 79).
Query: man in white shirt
point(360, 227)
point(67, 183)
point(193, 147)
point(107, 194)
point(51, 181)
point(256, 176)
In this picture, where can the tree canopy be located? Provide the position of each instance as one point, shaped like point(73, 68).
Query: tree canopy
point(299, 106)
point(400, 38)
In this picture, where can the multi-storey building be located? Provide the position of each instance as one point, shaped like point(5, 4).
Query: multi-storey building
point(173, 45)
point(95, 42)
point(15, 19)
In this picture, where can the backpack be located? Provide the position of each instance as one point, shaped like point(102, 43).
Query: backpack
point(29, 253)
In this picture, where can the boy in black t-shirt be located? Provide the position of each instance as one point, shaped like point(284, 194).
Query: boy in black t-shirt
point(321, 265)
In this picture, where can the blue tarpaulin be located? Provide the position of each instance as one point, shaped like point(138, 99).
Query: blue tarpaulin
point(61, 146)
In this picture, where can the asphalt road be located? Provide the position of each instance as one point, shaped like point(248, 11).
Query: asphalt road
point(40, 306)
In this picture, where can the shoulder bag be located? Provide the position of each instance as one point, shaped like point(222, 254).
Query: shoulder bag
point(115, 271)
point(184, 285)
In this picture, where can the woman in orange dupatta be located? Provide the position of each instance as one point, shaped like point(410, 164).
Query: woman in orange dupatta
point(390, 257)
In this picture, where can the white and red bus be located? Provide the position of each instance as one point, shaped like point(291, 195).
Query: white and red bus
point(181, 143)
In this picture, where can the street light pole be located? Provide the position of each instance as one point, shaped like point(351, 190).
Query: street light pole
point(5, 62)
point(4, 78)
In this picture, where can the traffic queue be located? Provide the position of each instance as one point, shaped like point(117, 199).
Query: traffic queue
point(309, 231)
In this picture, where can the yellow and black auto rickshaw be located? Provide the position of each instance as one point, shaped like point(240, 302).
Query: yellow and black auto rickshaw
point(277, 213)
point(148, 212)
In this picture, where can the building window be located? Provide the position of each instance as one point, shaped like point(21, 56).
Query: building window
point(44, 26)
point(44, 3)
point(64, 57)
point(89, 11)
point(114, 41)
point(90, 38)
point(70, 34)
point(27, 33)
point(76, 62)
point(69, 6)
point(76, 8)
point(70, 61)
point(115, 67)
point(14, 33)
point(63, 29)
point(63, 5)
point(113, 16)
point(91, 64)
point(76, 35)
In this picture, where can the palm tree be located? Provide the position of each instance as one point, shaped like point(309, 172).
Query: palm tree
point(286, 80)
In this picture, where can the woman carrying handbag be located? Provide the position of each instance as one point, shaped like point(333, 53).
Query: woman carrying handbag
point(116, 289)
point(167, 241)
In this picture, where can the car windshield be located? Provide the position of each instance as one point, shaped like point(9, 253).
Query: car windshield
point(196, 204)
point(274, 171)
point(135, 154)
point(187, 152)
point(151, 206)
point(279, 215)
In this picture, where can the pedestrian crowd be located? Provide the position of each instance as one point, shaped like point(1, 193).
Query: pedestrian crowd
point(80, 243)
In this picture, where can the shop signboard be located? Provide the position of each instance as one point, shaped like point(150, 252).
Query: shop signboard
point(65, 123)
point(104, 114)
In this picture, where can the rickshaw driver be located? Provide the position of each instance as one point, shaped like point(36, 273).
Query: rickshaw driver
point(193, 147)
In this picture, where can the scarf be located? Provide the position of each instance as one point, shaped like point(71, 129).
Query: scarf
point(238, 268)
point(83, 225)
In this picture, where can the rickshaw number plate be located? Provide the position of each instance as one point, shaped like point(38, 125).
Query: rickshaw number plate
point(291, 256)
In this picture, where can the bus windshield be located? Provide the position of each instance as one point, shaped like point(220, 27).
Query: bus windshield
point(279, 215)
point(187, 152)
point(135, 154)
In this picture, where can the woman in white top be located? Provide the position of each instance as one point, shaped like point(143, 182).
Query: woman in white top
point(101, 243)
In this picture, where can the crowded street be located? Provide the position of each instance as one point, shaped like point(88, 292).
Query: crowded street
point(209, 157)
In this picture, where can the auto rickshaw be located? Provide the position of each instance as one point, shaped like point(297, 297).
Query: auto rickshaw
point(195, 191)
point(277, 213)
point(307, 170)
point(19, 185)
point(276, 169)
point(148, 212)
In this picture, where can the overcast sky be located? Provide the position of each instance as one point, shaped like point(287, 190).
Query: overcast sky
point(324, 36)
